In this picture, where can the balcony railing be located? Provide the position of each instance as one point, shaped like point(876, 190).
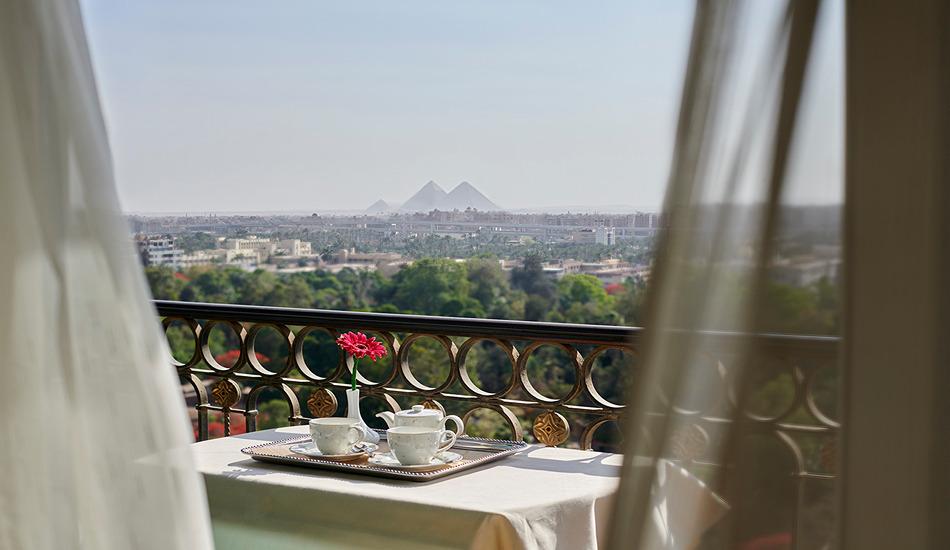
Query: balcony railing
point(556, 384)
point(797, 399)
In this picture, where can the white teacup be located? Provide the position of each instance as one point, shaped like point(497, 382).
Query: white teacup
point(336, 435)
point(415, 445)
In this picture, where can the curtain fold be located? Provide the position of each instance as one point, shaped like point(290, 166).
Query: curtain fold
point(734, 136)
point(96, 451)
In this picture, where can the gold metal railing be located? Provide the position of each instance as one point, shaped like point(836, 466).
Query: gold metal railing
point(574, 416)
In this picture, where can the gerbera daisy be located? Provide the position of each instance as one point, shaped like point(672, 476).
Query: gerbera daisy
point(358, 345)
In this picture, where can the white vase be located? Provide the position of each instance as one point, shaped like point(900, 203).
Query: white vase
point(353, 411)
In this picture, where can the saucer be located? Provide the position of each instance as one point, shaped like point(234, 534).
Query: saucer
point(387, 460)
point(309, 449)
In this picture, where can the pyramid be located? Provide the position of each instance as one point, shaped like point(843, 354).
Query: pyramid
point(378, 207)
point(466, 196)
point(425, 199)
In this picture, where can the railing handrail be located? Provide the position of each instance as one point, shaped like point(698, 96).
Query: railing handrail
point(597, 335)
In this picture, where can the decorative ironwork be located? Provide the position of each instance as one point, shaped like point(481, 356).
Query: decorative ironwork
point(321, 403)
point(689, 442)
point(551, 428)
point(582, 344)
point(226, 393)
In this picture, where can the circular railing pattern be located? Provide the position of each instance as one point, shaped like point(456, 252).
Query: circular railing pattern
point(248, 374)
point(570, 416)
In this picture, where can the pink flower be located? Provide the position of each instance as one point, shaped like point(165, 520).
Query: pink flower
point(359, 345)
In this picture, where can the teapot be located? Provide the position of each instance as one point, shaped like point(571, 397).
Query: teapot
point(420, 416)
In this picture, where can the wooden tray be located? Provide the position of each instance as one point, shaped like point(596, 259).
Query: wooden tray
point(475, 451)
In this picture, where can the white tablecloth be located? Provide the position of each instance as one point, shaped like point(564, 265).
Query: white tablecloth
point(539, 498)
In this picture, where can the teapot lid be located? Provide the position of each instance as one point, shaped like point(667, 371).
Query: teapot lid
point(419, 410)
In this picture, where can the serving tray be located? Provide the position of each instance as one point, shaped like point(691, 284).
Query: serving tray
point(475, 451)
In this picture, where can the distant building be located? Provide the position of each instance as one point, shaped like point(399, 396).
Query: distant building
point(350, 257)
point(253, 249)
point(585, 236)
point(144, 225)
point(601, 235)
point(157, 250)
point(614, 271)
point(604, 236)
point(294, 247)
point(203, 257)
point(608, 272)
point(644, 220)
point(556, 269)
point(385, 262)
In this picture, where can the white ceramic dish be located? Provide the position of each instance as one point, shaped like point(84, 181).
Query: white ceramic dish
point(309, 449)
point(387, 460)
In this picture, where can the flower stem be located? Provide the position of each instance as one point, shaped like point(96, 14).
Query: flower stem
point(356, 361)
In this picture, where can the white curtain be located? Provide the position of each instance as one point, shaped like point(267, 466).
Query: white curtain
point(737, 121)
point(95, 450)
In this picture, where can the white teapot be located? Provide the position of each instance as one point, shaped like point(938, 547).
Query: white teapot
point(422, 417)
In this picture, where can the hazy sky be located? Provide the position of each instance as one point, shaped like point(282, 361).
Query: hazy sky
point(306, 105)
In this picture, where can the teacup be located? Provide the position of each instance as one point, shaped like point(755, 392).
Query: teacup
point(415, 445)
point(336, 435)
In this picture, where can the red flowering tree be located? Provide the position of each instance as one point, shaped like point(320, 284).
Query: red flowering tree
point(228, 359)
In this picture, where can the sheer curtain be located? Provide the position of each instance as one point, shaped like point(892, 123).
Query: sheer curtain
point(95, 448)
point(742, 91)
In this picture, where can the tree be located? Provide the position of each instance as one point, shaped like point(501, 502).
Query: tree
point(583, 289)
point(536, 308)
point(298, 294)
point(792, 310)
point(489, 284)
point(273, 414)
point(828, 303)
point(258, 288)
point(163, 283)
point(215, 286)
point(426, 285)
point(629, 304)
point(463, 307)
point(326, 298)
point(584, 300)
point(530, 277)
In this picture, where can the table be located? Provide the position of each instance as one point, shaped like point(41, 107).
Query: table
point(539, 498)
